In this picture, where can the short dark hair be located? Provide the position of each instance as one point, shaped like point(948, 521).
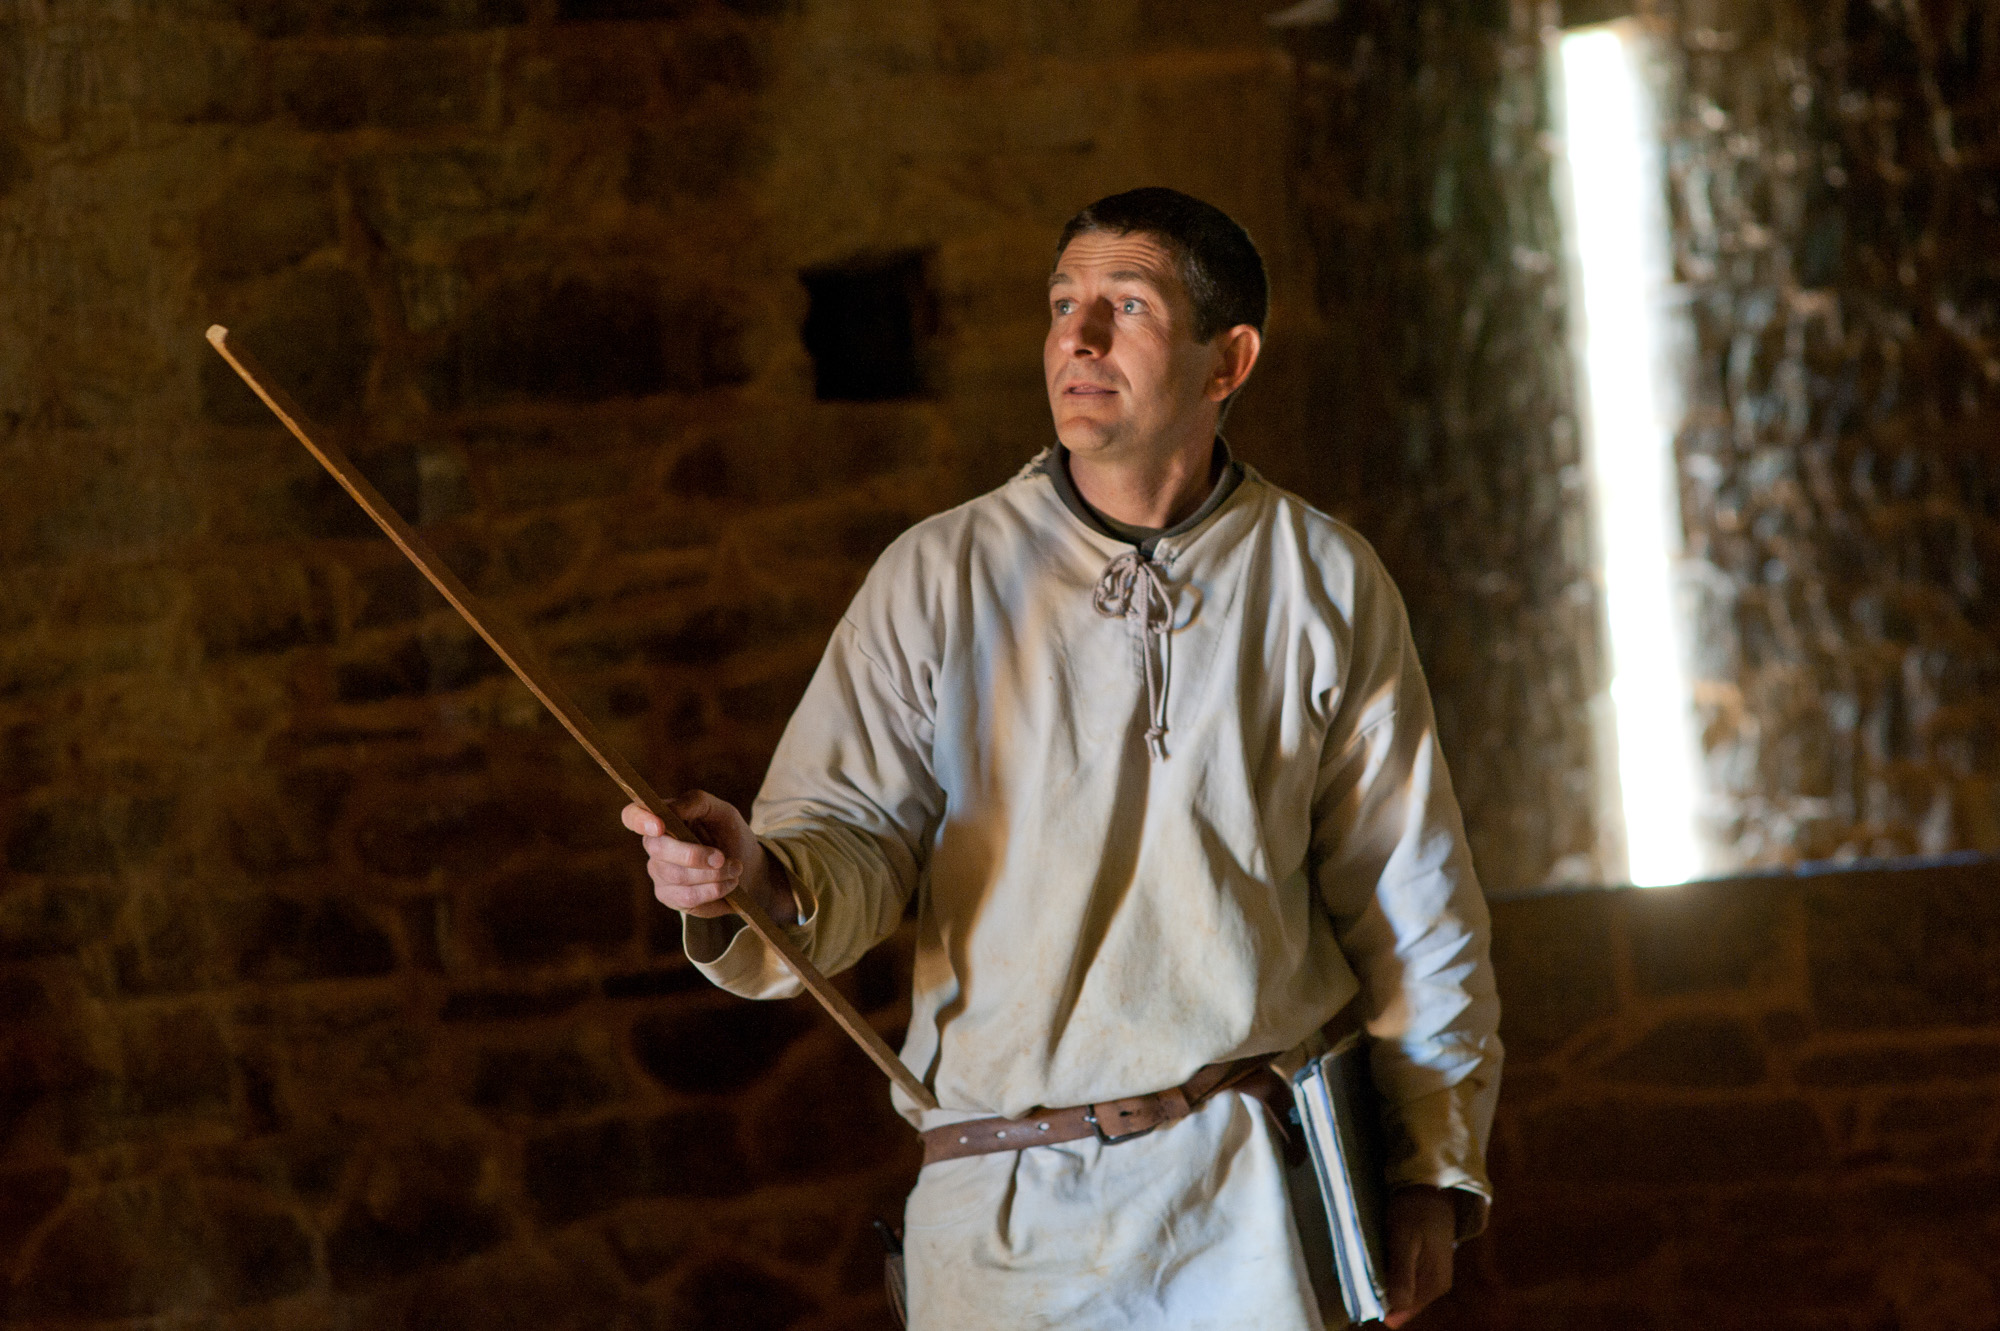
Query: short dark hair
point(1219, 263)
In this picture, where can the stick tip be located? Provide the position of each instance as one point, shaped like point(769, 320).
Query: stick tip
point(217, 334)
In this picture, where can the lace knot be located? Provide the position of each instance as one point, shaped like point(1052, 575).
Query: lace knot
point(1130, 588)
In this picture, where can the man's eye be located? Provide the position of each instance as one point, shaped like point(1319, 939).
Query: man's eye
point(1064, 306)
point(1129, 306)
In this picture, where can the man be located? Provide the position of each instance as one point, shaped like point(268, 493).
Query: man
point(1147, 738)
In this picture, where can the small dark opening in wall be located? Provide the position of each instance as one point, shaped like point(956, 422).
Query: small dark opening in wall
point(868, 326)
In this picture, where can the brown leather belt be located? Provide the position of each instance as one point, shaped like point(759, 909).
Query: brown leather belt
point(1110, 1121)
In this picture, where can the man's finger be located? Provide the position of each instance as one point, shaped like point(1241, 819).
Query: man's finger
point(685, 895)
point(678, 875)
point(694, 806)
point(1402, 1291)
point(638, 818)
point(669, 850)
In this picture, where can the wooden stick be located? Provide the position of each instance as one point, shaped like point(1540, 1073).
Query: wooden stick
point(513, 650)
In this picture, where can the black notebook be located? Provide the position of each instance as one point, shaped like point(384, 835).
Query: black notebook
point(1340, 1189)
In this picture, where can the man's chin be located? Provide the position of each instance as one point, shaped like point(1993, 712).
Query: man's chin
point(1087, 437)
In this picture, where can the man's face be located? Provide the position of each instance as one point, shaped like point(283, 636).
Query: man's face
point(1125, 376)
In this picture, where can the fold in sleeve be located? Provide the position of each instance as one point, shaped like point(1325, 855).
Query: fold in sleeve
point(1391, 863)
point(848, 806)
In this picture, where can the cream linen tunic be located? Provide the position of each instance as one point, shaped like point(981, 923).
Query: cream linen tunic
point(1097, 922)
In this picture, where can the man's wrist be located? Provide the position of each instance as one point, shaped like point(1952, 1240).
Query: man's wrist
point(781, 900)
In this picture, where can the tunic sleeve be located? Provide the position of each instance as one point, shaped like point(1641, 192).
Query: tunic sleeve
point(1390, 860)
point(849, 804)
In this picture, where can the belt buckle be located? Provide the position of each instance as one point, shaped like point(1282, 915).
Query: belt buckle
point(1113, 1138)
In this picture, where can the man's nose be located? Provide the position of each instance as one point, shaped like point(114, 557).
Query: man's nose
point(1090, 333)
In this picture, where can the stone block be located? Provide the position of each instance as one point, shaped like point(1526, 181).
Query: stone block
point(420, 1207)
point(598, 11)
point(716, 1050)
point(593, 76)
point(582, 1171)
point(766, 699)
point(260, 1245)
point(325, 92)
point(22, 998)
point(660, 982)
point(1553, 958)
point(50, 919)
point(175, 1063)
point(417, 836)
point(167, 946)
point(560, 1078)
point(1753, 1272)
point(538, 916)
point(266, 220)
point(1690, 1051)
point(852, 1127)
point(726, 1293)
point(28, 1197)
point(539, 553)
point(1911, 949)
point(714, 55)
point(317, 342)
point(88, 837)
point(28, 758)
point(15, 168)
point(262, 609)
point(1668, 1145)
point(329, 939)
point(510, 1005)
point(393, 594)
point(574, 1288)
point(1896, 1065)
point(440, 197)
point(163, 1246)
point(588, 340)
point(423, 484)
point(706, 150)
point(1550, 1239)
point(769, 462)
point(437, 662)
point(201, 74)
point(1938, 1129)
point(347, 1051)
point(395, 18)
point(1705, 936)
point(402, 85)
point(1960, 1197)
point(289, 828)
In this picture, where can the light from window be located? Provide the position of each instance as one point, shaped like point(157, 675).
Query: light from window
point(1619, 266)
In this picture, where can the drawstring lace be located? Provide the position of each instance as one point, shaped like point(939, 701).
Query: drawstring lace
point(1130, 589)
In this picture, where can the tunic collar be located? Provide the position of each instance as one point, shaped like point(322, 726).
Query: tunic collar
point(1054, 463)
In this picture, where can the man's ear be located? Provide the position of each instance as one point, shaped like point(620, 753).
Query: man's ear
point(1239, 348)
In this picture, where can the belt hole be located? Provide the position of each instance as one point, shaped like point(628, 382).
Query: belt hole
point(963, 1140)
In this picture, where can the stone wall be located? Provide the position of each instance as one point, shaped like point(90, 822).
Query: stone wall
point(1835, 178)
point(1424, 162)
point(1835, 197)
point(330, 991)
point(1769, 1103)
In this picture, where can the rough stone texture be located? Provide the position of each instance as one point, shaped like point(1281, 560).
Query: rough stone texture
point(1424, 169)
point(1772, 1147)
point(1835, 184)
point(331, 992)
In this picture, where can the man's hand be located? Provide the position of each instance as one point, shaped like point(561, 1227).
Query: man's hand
point(1422, 1225)
point(694, 878)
